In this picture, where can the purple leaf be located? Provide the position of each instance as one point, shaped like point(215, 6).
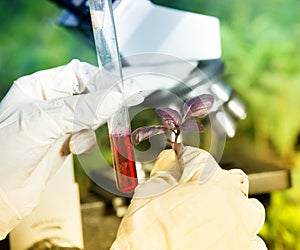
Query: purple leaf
point(144, 133)
point(198, 106)
point(191, 126)
point(169, 117)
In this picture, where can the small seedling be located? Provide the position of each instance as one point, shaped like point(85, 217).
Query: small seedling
point(197, 107)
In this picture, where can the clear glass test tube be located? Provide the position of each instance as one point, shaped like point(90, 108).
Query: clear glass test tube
point(119, 124)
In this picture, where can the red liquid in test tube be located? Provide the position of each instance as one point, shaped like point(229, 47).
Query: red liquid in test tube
point(124, 162)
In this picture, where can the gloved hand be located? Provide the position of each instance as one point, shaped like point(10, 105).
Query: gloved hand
point(191, 203)
point(43, 118)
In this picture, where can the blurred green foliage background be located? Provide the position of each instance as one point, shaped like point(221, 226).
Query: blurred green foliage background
point(260, 46)
point(31, 40)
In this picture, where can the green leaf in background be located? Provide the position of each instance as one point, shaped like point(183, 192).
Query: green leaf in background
point(32, 40)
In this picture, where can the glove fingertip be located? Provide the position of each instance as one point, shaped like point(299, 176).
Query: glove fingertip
point(164, 162)
point(197, 165)
point(82, 142)
point(257, 244)
point(261, 214)
point(242, 178)
point(254, 216)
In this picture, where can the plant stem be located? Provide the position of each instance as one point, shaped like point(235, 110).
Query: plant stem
point(177, 133)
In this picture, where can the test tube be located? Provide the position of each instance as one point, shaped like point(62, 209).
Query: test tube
point(119, 124)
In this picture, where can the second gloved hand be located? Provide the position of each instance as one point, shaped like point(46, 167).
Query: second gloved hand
point(191, 203)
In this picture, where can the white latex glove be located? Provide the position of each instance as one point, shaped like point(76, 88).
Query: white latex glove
point(42, 119)
point(191, 203)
